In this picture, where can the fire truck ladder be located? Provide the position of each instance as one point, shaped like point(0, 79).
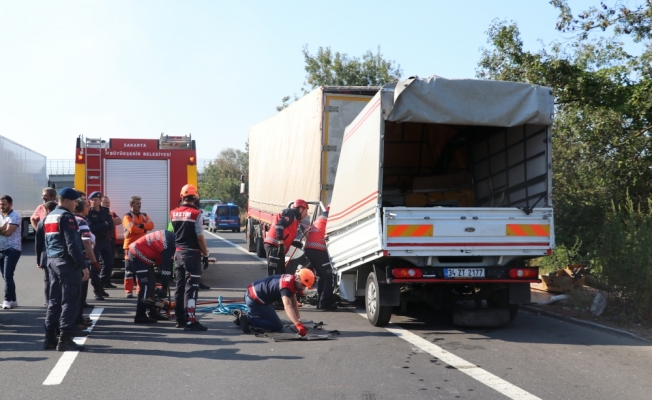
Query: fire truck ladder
point(94, 164)
point(175, 142)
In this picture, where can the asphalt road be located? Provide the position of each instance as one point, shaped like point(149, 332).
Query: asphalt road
point(420, 355)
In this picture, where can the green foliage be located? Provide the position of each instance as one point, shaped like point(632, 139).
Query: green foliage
point(221, 178)
point(328, 68)
point(624, 251)
point(603, 105)
point(559, 259)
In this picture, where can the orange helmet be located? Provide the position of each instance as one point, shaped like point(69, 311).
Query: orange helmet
point(188, 190)
point(300, 203)
point(306, 277)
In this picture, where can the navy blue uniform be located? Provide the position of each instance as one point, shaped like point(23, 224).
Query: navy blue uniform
point(41, 256)
point(65, 260)
point(264, 292)
point(101, 224)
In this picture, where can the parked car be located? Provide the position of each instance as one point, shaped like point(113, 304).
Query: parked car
point(225, 217)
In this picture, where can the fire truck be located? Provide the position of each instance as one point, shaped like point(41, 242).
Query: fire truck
point(154, 169)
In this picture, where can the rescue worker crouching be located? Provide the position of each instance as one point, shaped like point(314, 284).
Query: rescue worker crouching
point(66, 264)
point(262, 293)
point(155, 248)
point(191, 254)
point(136, 225)
point(281, 236)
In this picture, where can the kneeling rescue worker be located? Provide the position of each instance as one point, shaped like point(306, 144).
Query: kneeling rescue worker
point(281, 236)
point(191, 254)
point(262, 293)
point(155, 248)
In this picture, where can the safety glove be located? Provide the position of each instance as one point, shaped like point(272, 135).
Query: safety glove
point(140, 226)
point(297, 244)
point(204, 262)
point(302, 329)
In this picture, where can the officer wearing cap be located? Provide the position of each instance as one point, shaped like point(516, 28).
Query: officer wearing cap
point(67, 271)
point(100, 221)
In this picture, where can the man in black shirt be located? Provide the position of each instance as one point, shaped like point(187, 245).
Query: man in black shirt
point(101, 223)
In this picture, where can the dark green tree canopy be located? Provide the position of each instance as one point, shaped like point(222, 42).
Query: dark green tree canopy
point(221, 177)
point(328, 68)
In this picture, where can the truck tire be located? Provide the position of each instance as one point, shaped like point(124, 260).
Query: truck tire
point(250, 236)
point(260, 249)
point(501, 300)
point(376, 314)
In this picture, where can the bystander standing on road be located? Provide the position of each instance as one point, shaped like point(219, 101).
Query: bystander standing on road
point(39, 247)
point(106, 202)
point(101, 224)
point(66, 265)
point(136, 224)
point(88, 241)
point(10, 248)
point(48, 194)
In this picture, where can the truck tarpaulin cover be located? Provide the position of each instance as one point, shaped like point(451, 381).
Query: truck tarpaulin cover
point(357, 189)
point(468, 102)
point(290, 158)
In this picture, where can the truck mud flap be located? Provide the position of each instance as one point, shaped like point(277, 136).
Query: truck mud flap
point(519, 293)
point(485, 318)
point(390, 294)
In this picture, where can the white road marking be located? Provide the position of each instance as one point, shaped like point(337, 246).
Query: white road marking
point(472, 370)
point(67, 358)
point(237, 247)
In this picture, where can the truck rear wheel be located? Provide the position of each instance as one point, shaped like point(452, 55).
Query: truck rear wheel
point(260, 249)
point(376, 314)
point(250, 236)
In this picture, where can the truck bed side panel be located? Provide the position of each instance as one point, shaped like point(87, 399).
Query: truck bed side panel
point(356, 192)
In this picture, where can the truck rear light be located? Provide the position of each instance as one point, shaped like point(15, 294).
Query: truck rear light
point(523, 273)
point(407, 273)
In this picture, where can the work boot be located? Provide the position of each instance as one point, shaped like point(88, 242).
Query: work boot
point(236, 314)
point(129, 295)
point(195, 327)
point(143, 319)
point(244, 323)
point(157, 316)
point(98, 296)
point(51, 340)
point(181, 323)
point(109, 285)
point(66, 343)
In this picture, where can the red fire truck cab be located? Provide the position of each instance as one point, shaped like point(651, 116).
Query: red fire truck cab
point(154, 169)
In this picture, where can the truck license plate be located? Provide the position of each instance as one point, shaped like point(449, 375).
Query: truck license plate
point(464, 272)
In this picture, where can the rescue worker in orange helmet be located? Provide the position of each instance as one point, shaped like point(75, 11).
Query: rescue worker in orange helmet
point(282, 234)
point(317, 254)
point(275, 288)
point(155, 248)
point(191, 254)
point(136, 225)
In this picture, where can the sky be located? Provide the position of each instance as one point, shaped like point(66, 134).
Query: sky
point(212, 69)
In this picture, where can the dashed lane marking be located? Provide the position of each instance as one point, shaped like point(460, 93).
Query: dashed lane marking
point(237, 247)
point(472, 370)
point(67, 358)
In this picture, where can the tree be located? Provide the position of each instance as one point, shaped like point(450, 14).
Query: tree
point(603, 106)
point(326, 68)
point(222, 176)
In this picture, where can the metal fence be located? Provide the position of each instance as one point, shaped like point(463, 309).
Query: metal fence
point(67, 167)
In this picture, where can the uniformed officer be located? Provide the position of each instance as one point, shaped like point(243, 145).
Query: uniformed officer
point(155, 248)
point(100, 221)
point(67, 271)
point(191, 254)
point(281, 236)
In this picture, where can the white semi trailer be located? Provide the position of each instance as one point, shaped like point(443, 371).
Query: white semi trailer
point(23, 177)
